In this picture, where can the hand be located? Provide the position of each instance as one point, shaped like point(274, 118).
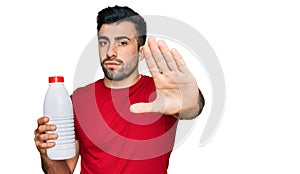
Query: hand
point(40, 136)
point(176, 88)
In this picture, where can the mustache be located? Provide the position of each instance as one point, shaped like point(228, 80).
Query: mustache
point(112, 59)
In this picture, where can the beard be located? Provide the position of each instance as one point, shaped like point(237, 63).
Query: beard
point(124, 71)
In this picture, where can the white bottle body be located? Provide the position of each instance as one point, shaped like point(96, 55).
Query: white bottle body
point(58, 107)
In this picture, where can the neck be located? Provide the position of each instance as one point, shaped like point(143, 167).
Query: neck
point(125, 83)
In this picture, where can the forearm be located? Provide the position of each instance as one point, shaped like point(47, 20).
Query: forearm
point(54, 166)
point(194, 110)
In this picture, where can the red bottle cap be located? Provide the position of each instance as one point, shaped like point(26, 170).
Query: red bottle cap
point(56, 79)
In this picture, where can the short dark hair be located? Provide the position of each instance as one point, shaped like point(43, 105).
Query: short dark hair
point(118, 14)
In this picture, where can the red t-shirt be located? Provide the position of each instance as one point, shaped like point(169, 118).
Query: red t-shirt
point(115, 141)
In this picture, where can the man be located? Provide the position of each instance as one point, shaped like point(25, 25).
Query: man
point(126, 122)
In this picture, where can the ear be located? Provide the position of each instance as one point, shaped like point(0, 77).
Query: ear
point(141, 54)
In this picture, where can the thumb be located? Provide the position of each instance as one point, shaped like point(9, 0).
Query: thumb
point(140, 108)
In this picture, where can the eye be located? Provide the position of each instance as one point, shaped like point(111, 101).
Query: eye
point(103, 43)
point(123, 43)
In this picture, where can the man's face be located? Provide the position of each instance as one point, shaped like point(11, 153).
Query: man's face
point(118, 50)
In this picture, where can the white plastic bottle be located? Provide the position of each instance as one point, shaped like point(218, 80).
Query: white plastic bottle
point(58, 107)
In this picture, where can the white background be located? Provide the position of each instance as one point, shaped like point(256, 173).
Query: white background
point(257, 43)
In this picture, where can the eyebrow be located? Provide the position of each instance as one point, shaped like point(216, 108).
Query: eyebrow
point(116, 38)
point(122, 37)
point(103, 37)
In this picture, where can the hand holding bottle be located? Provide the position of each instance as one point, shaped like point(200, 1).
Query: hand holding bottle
point(41, 137)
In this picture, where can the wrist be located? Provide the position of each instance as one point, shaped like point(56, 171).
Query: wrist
point(193, 106)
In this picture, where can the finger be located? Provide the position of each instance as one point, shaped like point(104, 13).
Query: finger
point(45, 137)
point(140, 108)
point(46, 127)
point(44, 145)
point(157, 105)
point(179, 61)
point(167, 55)
point(42, 120)
point(150, 61)
point(157, 55)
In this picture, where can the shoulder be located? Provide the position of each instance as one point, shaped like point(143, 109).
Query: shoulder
point(147, 80)
point(86, 89)
point(145, 85)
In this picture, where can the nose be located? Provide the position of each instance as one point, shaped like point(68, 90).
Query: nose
point(112, 51)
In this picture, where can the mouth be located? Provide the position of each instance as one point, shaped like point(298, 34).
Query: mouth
point(112, 64)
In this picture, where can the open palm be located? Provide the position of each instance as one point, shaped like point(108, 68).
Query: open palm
point(176, 88)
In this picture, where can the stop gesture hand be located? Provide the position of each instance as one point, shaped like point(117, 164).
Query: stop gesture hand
point(176, 88)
